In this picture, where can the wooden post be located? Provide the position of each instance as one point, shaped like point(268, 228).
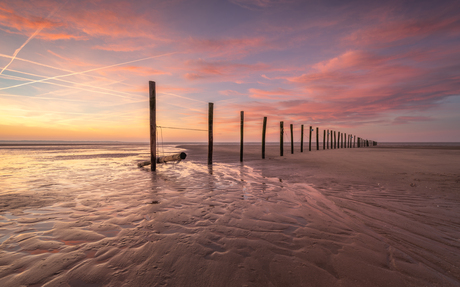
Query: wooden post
point(317, 138)
point(324, 139)
point(358, 142)
point(331, 138)
point(335, 140)
point(242, 133)
point(345, 143)
point(341, 140)
point(338, 139)
point(354, 141)
point(327, 140)
point(292, 139)
point(264, 132)
point(309, 142)
point(153, 126)
point(281, 138)
point(301, 138)
point(210, 133)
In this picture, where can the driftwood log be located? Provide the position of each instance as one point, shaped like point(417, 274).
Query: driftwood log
point(161, 159)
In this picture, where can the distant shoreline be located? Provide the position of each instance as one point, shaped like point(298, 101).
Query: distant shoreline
point(404, 145)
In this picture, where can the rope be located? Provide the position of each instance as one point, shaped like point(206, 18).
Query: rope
point(175, 128)
point(162, 144)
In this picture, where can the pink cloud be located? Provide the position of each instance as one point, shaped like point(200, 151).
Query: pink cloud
point(201, 69)
point(143, 71)
point(354, 74)
point(359, 87)
point(277, 94)
point(257, 4)
point(393, 29)
point(9, 18)
point(231, 93)
point(228, 47)
point(82, 23)
point(408, 119)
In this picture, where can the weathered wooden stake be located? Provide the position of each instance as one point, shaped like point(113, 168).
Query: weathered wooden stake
point(301, 138)
point(354, 141)
point(327, 141)
point(264, 132)
point(331, 138)
point(210, 132)
point(338, 140)
point(358, 142)
point(317, 138)
point(242, 133)
point(153, 126)
point(281, 138)
point(345, 143)
point(335, 140)
point(309, 142)
point(341, 141)
point(324, 139)
point(292, 139)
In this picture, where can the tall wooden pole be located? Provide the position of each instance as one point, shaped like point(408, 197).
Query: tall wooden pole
point(354, 141)
point(345, 139)
point(301, 138)
point(331, 139)
point(264, 132)
point(335, 140)
point(210, 133)
point(338, 138)
point(309, 142)
point(324, 139)
point(317, 138)
point(242, 133)
point(153, 126)
point(292, 139)
point(281, 138)
point(341, 141)
point(327, 141)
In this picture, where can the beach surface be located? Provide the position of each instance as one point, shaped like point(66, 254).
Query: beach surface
point(87, 216)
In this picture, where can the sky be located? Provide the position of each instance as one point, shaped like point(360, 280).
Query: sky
point(80, 70)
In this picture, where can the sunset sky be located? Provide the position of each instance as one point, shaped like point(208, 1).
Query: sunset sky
point(79, 70)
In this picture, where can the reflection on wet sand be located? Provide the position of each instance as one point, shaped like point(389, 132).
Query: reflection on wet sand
point(191, 224)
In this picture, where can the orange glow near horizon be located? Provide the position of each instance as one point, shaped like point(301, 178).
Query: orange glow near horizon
point(80, 70)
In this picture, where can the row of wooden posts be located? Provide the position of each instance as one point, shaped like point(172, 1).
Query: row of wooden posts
point(344, 140)
point(336, 140)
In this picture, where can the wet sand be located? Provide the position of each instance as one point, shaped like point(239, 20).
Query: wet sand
point(351, 217)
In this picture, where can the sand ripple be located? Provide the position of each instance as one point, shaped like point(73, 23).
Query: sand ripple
point(191, 225)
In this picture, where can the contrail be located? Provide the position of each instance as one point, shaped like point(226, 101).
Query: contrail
point(31, 37)
point(36, 63)
point(71, 87)
point(56, 68)
point(19, 49)
point(182, 97)
point(109, 91)
point(87, 71)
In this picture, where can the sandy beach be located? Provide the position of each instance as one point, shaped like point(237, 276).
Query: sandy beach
point(349, 217)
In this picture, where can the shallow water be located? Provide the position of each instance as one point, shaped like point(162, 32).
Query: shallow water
point(87, 216)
